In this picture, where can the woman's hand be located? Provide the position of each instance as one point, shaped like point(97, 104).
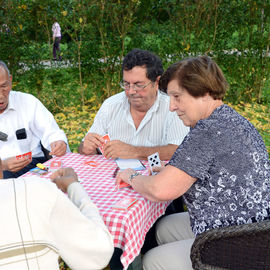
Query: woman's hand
point(124, 176)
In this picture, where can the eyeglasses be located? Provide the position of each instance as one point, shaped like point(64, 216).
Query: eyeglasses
point(136, 87)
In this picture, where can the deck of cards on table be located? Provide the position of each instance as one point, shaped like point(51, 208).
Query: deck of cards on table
point(124, 203)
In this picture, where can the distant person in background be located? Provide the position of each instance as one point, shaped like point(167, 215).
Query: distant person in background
point(56, 29)
point(26, 126)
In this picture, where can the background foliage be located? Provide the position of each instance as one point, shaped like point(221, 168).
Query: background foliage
point(98, 33)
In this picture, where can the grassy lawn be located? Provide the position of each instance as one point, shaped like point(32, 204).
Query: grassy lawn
point(75, 121)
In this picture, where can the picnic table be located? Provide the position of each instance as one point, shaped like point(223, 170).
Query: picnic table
point(128, 227)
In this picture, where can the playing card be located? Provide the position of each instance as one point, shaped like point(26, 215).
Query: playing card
point(154, 161)
point(125, 203)
point(25, 155)
point(106, 139)
point(123, 185)
point(55, 165)
point(18, 157)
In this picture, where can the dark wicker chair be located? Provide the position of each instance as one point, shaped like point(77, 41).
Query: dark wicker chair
point(243, 247)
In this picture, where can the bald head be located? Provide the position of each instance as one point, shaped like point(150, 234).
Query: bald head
point(5, 86)
point(3, 67)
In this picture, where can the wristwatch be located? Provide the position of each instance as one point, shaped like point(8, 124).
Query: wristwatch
point(132, 176)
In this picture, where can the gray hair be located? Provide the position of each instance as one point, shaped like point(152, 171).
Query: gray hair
point(4, 66)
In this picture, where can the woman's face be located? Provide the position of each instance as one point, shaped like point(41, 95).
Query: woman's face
point(188, 108)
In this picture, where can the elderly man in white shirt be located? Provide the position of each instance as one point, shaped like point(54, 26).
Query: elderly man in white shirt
point(56, 29)
point(39, 223)
point(138, 120)
point(27, 124)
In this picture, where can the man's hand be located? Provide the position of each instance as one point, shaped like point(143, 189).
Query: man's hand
point(91, 142)
point(64, 177)
point(117, 149)
point(59, 148)
point(14, 165)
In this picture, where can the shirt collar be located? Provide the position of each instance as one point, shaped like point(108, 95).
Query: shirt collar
point(11, 102)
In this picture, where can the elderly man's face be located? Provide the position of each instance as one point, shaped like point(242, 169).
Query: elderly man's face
point(5, 87)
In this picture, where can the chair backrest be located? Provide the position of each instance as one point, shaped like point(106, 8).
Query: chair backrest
point(242, 247)
point(46, 152)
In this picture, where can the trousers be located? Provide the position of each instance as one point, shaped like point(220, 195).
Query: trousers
point(56, 47)
point(175, 238)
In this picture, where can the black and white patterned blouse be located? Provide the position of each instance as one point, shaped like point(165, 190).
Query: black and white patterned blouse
point(230, 161)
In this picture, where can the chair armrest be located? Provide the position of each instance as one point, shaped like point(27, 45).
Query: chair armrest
point(239, 247)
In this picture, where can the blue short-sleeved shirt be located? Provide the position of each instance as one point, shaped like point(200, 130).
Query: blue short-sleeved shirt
point(229, 159)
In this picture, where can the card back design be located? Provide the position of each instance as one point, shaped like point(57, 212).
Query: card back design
point(124, 204)
point(106, 139)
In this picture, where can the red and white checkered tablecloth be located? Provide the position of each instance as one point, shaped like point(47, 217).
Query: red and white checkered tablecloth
point(128, 227)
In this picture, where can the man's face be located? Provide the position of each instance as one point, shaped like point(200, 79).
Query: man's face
point(140, 98)
point(5, 87)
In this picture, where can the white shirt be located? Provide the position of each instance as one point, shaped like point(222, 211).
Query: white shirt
point(158, 127)
point(56, 29)
point(26, 111)
point(40, 222)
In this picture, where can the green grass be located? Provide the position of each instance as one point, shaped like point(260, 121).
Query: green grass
point(76, 120)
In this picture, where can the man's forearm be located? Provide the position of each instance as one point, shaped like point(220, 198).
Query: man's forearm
point(165, 152)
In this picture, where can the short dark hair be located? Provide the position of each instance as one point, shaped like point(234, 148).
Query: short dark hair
point(198, 75)
point(143, 58)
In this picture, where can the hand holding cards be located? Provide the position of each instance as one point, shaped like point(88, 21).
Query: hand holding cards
point(106, 139)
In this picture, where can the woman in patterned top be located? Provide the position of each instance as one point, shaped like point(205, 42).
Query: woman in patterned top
point(222, 167)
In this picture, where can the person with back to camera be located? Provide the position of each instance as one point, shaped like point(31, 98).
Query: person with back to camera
point(222, 168)
point(39, 223)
